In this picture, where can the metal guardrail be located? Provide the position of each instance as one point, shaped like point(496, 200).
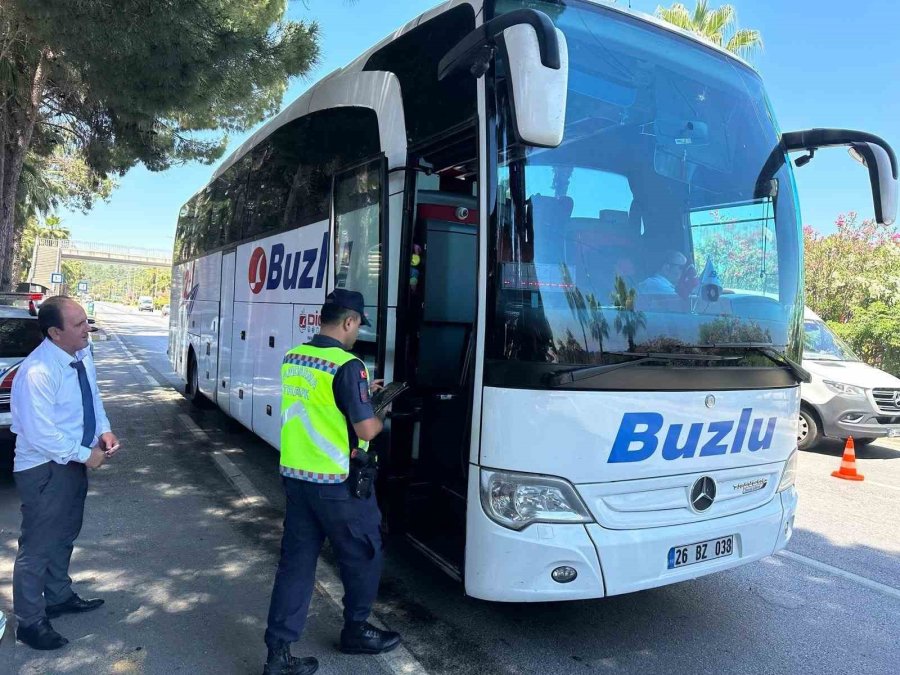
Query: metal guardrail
point(108, 250)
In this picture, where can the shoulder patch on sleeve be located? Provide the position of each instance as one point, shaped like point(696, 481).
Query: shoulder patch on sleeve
point(364, 391)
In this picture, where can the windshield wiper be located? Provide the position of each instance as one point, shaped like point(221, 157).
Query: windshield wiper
point(766, 349)
point(585, 372)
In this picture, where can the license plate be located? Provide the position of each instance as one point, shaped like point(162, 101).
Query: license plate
point(894, 433)
point(688, 554)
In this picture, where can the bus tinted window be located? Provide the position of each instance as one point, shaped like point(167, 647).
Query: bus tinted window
point(236, 180)
point(272, 169)
point(283, 183)
point(184, 235)
point(430, 106)
point(357, 212)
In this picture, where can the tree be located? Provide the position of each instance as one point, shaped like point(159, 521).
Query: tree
point(628, 320)
point(853, 282)
point(51, 228)
point(874, 336)
point(47, 183)
point(716, 25)
point(132, 82)
point(853, 268)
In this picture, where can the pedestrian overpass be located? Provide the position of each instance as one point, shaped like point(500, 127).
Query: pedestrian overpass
point(48, 256)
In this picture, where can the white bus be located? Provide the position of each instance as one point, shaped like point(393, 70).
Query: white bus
point(577, 234)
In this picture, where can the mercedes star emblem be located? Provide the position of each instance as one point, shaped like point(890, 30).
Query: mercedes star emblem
point(703, 494)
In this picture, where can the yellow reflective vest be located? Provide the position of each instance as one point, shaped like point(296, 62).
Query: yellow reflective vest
point(315, 443)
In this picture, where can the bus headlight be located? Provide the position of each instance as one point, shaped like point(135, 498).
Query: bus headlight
point(789, 475)
point(516, 500)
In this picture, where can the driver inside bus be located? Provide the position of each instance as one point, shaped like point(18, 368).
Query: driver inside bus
point(665, 280)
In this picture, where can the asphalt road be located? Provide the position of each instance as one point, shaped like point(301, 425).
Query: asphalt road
point(832, 605)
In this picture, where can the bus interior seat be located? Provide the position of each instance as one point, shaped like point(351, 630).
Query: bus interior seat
point(607, 246)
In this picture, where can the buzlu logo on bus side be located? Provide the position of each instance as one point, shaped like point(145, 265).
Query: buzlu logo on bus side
point(639, 434)
point(288, 271)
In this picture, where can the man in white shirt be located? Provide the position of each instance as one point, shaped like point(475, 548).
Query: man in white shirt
point(668, 274)
point(61, 430)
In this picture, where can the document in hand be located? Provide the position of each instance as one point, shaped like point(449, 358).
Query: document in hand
point(382, 398)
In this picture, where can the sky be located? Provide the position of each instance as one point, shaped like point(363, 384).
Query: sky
point(825, 64)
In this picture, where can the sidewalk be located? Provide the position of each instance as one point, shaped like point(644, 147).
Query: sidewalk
point(184, 566)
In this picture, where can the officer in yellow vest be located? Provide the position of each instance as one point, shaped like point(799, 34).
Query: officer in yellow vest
point(325, 415)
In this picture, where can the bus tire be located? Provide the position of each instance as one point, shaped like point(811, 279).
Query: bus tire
point(808, 433)
point(192, 387)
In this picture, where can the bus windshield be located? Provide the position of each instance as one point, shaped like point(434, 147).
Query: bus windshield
point(651, 227)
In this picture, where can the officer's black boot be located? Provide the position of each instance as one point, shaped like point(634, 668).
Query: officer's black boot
point(364, 638)
point(280, 662)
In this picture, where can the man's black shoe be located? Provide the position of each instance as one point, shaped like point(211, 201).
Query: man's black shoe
point(280, 662)
point(41, 636)
point(73, 605)
point(364, 638)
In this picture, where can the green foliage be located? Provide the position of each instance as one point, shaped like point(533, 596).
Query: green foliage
point(628, 320)
point(62, 179)
point(108, 86)
point(726, 329)
point(744, 255)
point(716, 25)
point(34, 229)
point(131, 83)
point(873, 333)
point(856, 266)
point(853, 282)
point(119, 283)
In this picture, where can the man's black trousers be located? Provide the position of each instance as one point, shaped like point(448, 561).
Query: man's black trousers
point(52, 498)
point(313, 512)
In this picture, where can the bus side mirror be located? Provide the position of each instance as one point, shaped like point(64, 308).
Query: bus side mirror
point(882, 177)
point(537, 63)
point(871, 151)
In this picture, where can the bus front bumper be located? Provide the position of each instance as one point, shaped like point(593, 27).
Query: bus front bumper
point(515, 566)
point(634, 560)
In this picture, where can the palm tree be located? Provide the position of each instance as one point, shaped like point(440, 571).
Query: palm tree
point(716, 25)
point(628, 320)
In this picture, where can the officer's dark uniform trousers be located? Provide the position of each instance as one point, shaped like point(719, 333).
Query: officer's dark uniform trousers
point(313, 512)
point(52, 511)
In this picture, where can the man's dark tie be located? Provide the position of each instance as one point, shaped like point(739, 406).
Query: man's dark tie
point(87, 402)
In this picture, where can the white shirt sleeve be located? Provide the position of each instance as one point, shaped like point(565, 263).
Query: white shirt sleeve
point(37, 387)
point(103, 425)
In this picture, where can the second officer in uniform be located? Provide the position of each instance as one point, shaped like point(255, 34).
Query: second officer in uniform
point(326, 415)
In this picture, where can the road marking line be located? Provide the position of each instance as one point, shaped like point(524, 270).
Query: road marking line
point(398, 661)
point(837, 571)
point(151, 380)
point(249, 493)
point(141, 368)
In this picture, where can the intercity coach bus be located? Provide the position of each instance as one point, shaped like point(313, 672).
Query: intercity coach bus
point(577, 234)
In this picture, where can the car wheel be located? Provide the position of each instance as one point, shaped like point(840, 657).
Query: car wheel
point(863, 442)
point(808, 433)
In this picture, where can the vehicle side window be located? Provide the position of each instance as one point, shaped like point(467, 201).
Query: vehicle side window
point(18, 337)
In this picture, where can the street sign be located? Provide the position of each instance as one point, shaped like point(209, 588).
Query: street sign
point(82, 287)
point(56, 278)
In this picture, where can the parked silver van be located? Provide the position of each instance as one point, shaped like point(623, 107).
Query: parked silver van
point(846, 397)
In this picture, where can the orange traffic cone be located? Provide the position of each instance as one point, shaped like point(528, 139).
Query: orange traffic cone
point(848, 463)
